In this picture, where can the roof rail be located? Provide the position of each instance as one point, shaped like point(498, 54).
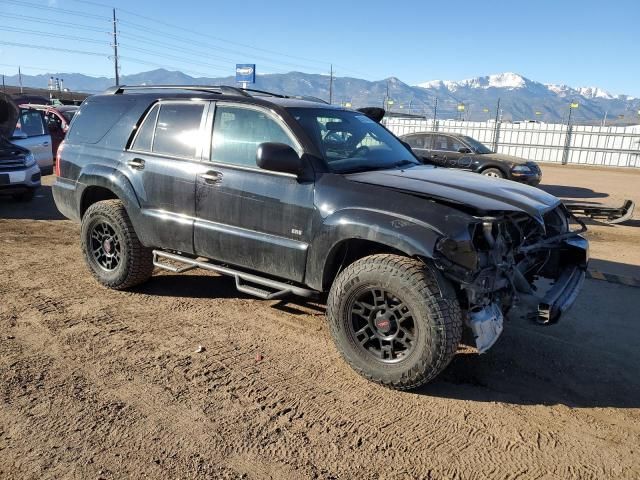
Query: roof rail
point(220, 89)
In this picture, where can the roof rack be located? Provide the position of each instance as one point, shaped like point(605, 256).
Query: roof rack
point(219, 89)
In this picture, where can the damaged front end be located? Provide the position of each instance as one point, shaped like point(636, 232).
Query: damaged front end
point(514, 260)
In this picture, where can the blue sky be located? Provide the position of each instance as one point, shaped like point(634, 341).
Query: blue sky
point(580, 43)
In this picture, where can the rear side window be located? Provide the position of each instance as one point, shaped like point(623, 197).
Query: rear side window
point(96, 117)
point(178, 130)
point(144, 138)
point(417, 141)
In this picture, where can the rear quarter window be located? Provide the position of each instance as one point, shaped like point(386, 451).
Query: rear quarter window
point(96, 117)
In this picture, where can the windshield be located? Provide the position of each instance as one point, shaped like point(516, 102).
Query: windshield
point(476, 145)
point(352, 142)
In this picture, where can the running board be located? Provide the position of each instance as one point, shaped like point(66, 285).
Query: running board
point(245, 282)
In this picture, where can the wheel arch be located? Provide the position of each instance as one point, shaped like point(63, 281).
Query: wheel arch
point(502, 168)
point(352, 235)
point(100, 183)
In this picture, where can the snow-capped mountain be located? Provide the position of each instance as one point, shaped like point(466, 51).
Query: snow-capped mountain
point(523, 98)
point(520, 97)
point(507, 80)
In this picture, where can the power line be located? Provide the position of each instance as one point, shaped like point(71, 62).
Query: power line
point(54, 35)
point(188, 51)
point(183, 29)
point(48, 47)
point(56, 9)
point(162, 34)
point(51, 22)
point(173, 57)
point(159, 65)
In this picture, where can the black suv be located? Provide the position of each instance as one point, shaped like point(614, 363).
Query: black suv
point(453, 150)
point(295, 196)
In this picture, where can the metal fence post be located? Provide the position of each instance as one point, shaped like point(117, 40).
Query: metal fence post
point(496, 130)
point(567, 140)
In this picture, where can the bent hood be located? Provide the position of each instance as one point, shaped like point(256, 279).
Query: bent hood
point(8, 116)
point(479, 192)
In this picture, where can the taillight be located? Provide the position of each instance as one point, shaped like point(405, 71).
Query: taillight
point(58, 158)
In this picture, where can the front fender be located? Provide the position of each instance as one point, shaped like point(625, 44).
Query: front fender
point(408, 235)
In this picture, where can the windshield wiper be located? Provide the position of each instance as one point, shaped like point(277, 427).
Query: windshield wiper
point(404, 163)
point(371, 168)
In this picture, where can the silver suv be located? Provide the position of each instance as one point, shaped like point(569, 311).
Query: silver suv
point(19, 170)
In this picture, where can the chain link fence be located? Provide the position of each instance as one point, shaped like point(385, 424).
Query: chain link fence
point(541, 142)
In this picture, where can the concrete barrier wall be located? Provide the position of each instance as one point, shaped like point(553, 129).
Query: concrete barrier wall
point(541, 142)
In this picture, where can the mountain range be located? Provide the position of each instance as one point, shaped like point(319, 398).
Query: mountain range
point(520, 98)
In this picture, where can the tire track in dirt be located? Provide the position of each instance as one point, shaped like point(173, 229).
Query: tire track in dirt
point(125, 361)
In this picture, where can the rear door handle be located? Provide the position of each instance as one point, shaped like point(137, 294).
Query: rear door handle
point(45, 144)
point(212, 177)
point(136, 163)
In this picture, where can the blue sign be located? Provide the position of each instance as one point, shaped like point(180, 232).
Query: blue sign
point(246, 72)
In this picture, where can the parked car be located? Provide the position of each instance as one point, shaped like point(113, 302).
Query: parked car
point(453, 150)
point(19, 172)
point(31, 132)
point(58, 118)
point(292, 196)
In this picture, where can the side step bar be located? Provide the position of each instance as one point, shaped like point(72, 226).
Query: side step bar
point(245, 282)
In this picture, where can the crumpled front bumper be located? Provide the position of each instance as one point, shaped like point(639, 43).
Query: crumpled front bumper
point(564, 291)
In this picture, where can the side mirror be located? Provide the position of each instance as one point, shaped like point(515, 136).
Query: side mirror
point(405, 144)
point(464, 150)
point(19, 135)
point(278, 157)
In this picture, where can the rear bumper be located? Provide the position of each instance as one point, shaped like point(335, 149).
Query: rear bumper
point(64, 196)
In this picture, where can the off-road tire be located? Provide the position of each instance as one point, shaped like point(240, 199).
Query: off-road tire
point(493, 172)
point(136, 264)
point(435, 309)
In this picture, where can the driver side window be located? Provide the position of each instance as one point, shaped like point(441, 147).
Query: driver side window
point(238, 131)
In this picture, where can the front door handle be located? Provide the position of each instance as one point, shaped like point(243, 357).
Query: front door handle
point(136, 163)
point(212, 177)
point(45, 144)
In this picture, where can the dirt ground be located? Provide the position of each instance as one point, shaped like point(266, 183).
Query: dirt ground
point(103, 384)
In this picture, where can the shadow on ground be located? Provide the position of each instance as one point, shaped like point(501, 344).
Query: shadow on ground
point(569, 191)
point(42, 207)
point(190, 286)
point(589, 359)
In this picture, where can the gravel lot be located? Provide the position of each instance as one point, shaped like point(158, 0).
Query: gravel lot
point(103, 384)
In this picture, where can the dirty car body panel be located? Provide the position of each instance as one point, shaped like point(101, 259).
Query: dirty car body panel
point(494, 240)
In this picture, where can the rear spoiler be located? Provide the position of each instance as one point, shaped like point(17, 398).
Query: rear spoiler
point(374, 113)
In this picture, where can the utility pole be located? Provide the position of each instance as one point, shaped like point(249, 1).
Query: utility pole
point(20, 78)
point(3, 87)
point(331, 85)
point(115, 48)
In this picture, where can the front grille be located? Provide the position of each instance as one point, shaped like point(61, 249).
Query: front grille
point(11, 165)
